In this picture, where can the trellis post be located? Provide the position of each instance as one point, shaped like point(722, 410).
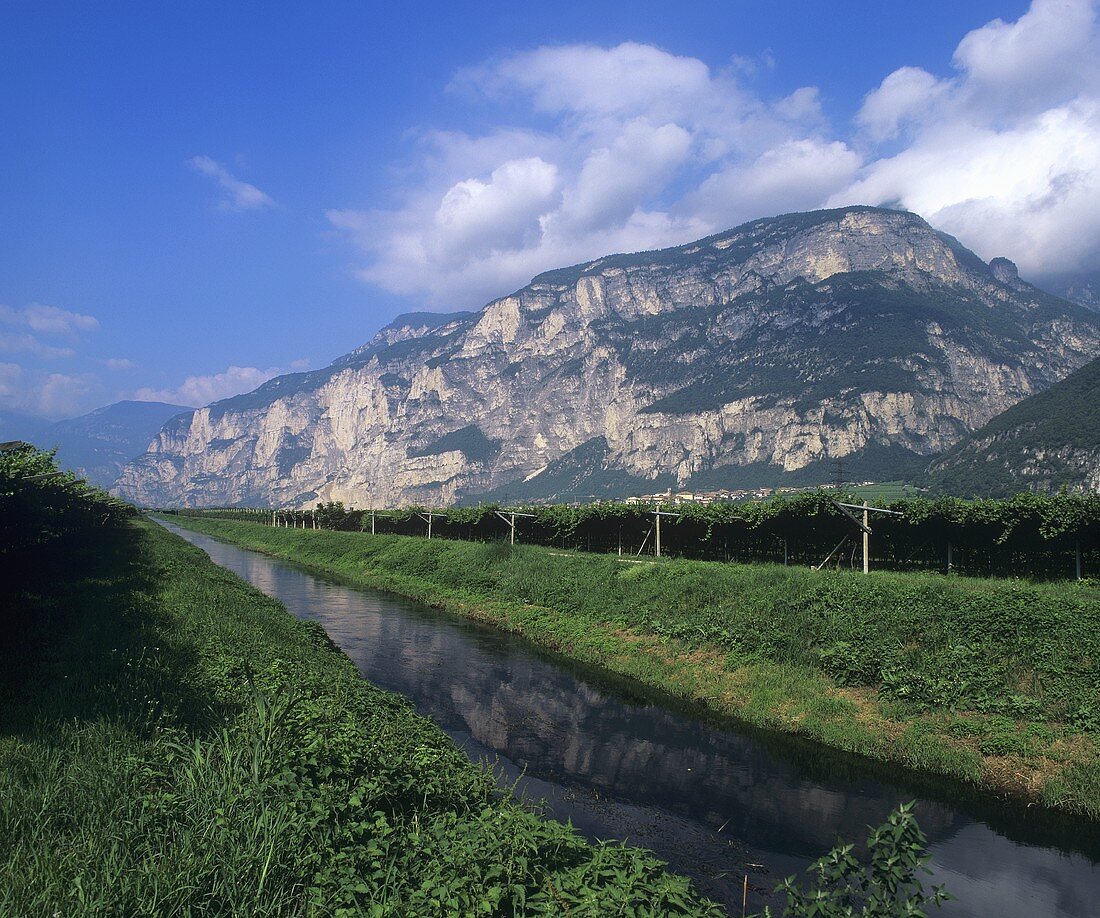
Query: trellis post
point(866, 539)
point(509, 517)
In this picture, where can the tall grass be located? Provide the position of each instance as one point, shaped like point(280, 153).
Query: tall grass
point(179, 744)
point(996, 682)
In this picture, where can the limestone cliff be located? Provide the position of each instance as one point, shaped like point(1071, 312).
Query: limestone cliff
point(778, 344)
point(1046, 442)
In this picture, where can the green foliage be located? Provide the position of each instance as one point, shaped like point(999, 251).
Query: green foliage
point(46, 517)
point(887, 885)
point(1025, 535)
point(183, 745)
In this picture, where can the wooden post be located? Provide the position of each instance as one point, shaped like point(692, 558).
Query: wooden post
point(513, 529)
point(1077, 552)
point(372, 522)
point(658, 533)
point(784, 552)
point(950, 558)
point(866, 539)
point(429, 524)
point(272, 519)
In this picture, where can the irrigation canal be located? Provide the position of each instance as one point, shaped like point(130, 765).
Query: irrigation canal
point(714, 799)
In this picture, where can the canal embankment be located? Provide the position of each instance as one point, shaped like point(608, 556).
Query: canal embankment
point(991, 682)
point(176, 743)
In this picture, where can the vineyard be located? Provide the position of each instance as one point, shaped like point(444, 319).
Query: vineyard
point(1027, 535)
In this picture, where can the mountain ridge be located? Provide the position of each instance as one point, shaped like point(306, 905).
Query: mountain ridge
point(1046, 442)
point(785, 341)
point(98, 444)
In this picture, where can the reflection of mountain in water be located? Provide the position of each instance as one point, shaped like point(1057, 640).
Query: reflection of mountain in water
point(708, 798)
point(572, 733)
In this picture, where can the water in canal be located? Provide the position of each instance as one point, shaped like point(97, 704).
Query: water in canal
point(715, 800)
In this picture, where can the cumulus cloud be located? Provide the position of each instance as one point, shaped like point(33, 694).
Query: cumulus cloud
point(63, 395)
point(630, 147)
point(29, 344)
point(236, 194)
point(49, 320)
point(197, 391)
point(1005, 152)
point(618, 143)
point(36, 320)
point(51, 395)
point(11, 375)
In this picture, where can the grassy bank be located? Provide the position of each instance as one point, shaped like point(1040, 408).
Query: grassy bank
point(179, 744)
point(992, 682)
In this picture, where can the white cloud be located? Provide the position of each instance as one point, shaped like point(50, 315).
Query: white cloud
point(49, 320)
point(628, 80)
point(238, 195)
point(906, 95)
point(29, 344)
point(614, 179)
point(631, 147)
point(11, 375)
point(119, 363)
point(63, 395)
point(619, 140)
point(52, 395)
point(781, 180)
point(1005, 153)
point(197, 391)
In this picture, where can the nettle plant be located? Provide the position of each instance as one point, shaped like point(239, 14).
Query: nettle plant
point(887, 885)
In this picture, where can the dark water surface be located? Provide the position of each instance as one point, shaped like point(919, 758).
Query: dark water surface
point(716, 800)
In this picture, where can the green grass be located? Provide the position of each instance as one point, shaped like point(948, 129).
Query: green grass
point(178, 744)
point(885, 666)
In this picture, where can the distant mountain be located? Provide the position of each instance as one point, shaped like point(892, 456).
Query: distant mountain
point(1046, 442)
point(1082, 288)
point(100, 443)
point(762, 353)
point(19, 425)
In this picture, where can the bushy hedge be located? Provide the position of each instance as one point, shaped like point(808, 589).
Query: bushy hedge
point(47, 519)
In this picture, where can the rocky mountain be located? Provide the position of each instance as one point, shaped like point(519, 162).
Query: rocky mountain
point(100, 443)
point(860, 333)
point(1046, 442)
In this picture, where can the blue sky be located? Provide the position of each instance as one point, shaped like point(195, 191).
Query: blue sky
point(194, 197)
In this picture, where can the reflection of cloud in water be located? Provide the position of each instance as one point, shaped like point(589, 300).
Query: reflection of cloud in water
point(707, 799)
point(1010, 880)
